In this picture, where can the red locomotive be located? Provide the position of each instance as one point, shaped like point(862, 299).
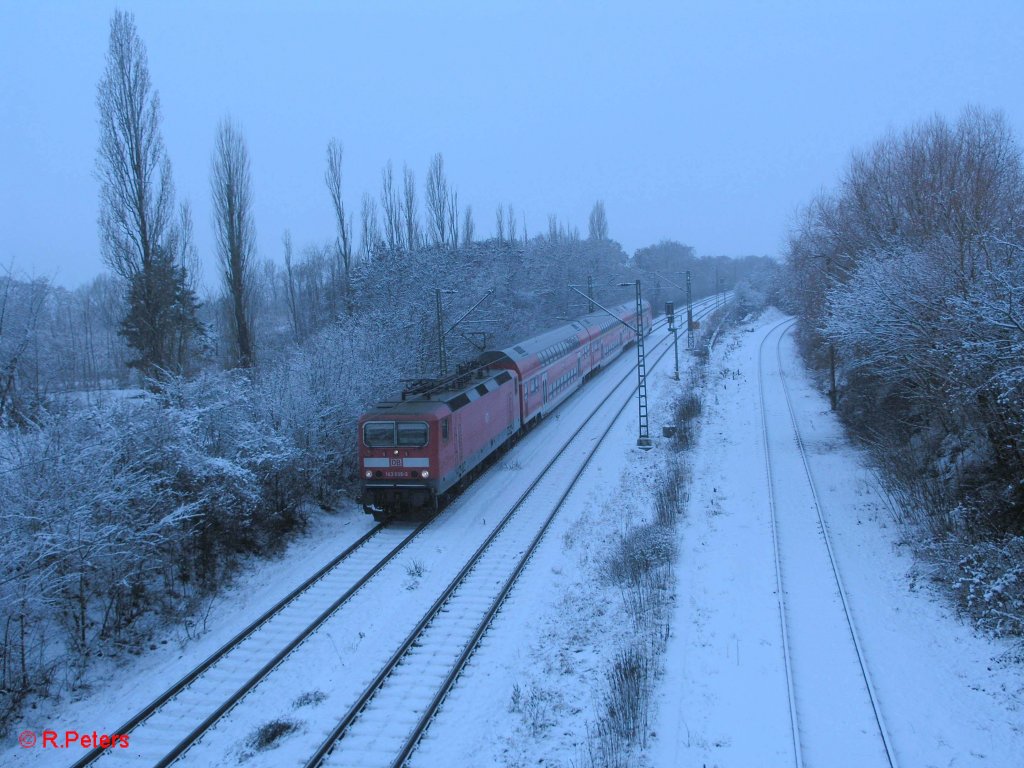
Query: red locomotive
point(415, 451)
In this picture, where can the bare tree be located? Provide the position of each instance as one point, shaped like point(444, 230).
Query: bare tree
point(453, 219)
point(513, 234)
point(437, 202)
point(370, 239)
point(231, 186)
point(552, 228)
point(21, 305)
point(468, 229)
point(499, 223)
point(409, 209)
point(343, 242)
point(291, 293)
point(598, 222)
point(391, 204)
point(185, 337)
point(185, 249)
point(137, 204)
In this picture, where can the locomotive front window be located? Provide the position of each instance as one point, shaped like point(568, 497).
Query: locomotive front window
point(379, 434)
point(412, 434)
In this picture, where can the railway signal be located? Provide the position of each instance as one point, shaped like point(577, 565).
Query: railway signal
point(670, 313)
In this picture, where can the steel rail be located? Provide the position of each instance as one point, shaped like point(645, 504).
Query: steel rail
point(150, 709)
point(337, 734)
point(280, 656)
point(780, 597)
point(890, 752)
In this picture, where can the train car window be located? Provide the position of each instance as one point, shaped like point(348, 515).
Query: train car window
point(481, 389)
point(444, 429)
point(379, 434)
point(412, 434)
point(458, 401)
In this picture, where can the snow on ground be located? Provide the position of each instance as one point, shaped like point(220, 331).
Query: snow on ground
point(947, 697)
point(118, 688)
point(531, 691)
point(534, 688)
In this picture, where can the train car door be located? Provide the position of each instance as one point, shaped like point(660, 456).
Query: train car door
point(544, 384)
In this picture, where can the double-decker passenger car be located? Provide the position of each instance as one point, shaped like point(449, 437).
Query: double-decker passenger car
point(415, 451)
point(555, 364)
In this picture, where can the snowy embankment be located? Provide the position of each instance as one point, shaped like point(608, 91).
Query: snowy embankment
point(948, 696)
point(536, 688)
point(118, 687)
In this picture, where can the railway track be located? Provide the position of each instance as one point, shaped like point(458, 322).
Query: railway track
point(241, 663)
point(178, 718)
point(834, 712)
point(385, 723)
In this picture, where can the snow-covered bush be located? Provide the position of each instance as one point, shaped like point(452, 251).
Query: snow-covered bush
point(83, 523)
point(237, 475)
point(118, 516)
point(989, 583)
point(685, 410)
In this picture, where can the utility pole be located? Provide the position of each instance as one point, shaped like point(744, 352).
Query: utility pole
point(442, 333)
point(644, 439)
point(590, 293)
point(689, 313)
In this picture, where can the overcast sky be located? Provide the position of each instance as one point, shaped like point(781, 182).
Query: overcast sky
point(708, 122)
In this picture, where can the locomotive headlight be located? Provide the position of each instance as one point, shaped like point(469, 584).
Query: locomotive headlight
point(369, 473)
point(425, 474)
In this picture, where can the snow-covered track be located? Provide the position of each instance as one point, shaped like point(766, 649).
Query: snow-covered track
point(203, 703)
point(779, 591)
point(177, 717)
point(835, 715)
point(385, 723)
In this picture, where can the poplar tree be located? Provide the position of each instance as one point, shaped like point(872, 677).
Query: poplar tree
point(139, 237)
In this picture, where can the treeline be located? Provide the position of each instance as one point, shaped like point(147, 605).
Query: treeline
point(909, 282)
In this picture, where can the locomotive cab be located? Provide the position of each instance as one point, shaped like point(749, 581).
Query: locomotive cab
point(398, 462)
